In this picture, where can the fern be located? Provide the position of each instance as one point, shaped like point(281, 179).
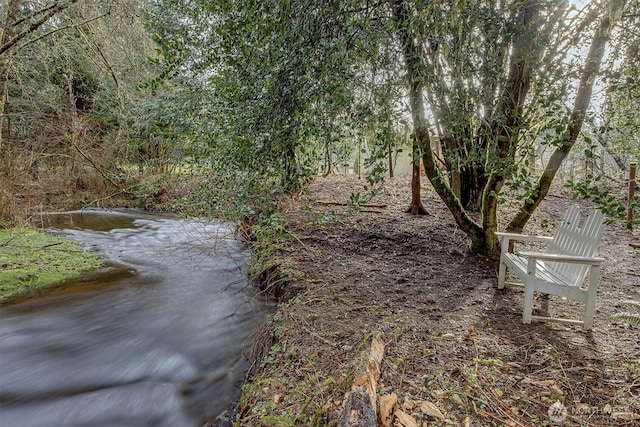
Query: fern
point(632, 316)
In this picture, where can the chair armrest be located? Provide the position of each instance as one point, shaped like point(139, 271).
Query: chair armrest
point(563, 258)
point(523, 237)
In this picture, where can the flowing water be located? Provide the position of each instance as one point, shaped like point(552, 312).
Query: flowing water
point(155, 339)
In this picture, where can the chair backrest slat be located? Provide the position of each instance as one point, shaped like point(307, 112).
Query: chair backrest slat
point(571, 239)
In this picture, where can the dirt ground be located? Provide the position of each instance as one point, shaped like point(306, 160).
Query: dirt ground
point(452, 338)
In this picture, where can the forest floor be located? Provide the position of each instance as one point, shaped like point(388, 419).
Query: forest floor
point(453, 341)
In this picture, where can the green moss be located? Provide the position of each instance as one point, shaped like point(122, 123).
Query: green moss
point(31, 260)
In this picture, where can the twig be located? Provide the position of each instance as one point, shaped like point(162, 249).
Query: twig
point(299, 241)
point(8, 241)
point(366, 205)
point(123, 190)
point(51, 244)
point(95, 166)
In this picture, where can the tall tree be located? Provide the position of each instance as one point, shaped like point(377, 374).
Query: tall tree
point(480, 75)
point(496, 137)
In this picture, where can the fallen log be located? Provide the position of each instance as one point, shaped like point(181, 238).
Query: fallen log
point(360, 405)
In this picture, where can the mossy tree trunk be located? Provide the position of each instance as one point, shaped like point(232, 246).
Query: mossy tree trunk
point(497, 137)
point(420, 127)
point(578, 113)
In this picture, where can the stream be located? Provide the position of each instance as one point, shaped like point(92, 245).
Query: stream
point(154, 339)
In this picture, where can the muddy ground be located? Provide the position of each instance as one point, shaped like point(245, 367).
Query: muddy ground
point(452, 338)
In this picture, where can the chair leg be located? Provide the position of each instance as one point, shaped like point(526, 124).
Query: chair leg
point(502, 274)
point(528, 303)
point(588, 320)
point(590, 308)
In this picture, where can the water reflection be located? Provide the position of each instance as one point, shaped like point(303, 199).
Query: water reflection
point(155, 340)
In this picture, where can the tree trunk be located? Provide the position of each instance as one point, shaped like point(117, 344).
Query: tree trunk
point(580, 106)
point(291, 178)
point(327, 158)
point(471, 184)
point(390, 158)
point(416, 207)
point(412, 61)
point(505, 125)
point(4, 83)
point(73, 127)
point(451, 156)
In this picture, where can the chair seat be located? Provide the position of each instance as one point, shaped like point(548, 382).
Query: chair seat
point(547, 279)
point(544, 273)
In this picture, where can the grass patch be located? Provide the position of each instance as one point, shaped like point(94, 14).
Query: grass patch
point(31, 260)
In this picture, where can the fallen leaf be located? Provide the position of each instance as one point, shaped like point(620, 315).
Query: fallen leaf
point(408, 405)
point(405, 419)
point(497, 392)
point(360, 380)
point(431, 410)
point(545, 383)
point(437, 393)
point(557, 390)
point(456, 399)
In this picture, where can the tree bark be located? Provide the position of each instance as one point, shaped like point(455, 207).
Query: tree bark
point(328, 165)
point(390, 158)
point(580, 106)
point(413, 63)
point(416, 207)
point(361, 404)
point(506, 123)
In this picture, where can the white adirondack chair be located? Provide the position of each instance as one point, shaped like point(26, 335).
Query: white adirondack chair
point(562, 269)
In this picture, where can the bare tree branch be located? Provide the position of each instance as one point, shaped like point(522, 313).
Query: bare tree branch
point(50, 12)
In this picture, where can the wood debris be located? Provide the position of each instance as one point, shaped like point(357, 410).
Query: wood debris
point(360, 406)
